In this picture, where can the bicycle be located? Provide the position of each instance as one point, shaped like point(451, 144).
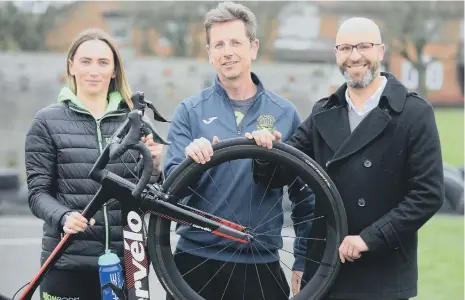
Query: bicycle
point(164, 203)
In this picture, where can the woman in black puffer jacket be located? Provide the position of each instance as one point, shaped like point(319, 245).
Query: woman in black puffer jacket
point(63, 142)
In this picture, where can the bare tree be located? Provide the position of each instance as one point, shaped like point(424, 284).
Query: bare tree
point(22, 30)
point(18, 29)
point(266, 13)
point(410, 26)
point(172, 19)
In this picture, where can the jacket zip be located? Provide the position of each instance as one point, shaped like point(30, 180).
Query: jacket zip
point(105, 213)
point(99, 140)
point(239, 130)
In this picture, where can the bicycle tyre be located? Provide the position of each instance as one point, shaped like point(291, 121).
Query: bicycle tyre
point(239, 148)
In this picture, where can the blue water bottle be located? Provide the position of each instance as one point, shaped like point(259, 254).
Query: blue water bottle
point(110, 271)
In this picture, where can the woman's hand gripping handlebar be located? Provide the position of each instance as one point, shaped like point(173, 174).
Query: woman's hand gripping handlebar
point(128, 137)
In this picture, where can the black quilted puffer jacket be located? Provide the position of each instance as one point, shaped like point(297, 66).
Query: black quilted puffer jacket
point(63, 143)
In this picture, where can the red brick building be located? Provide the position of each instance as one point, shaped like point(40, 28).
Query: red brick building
point(301, 32)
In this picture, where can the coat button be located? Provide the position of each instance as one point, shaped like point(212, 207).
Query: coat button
point(361, 202)
point(367, 163)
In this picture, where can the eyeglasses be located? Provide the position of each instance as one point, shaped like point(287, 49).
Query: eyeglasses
point(347, 49)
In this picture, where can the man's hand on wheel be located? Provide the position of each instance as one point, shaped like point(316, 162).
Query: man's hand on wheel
point(264, 137)
point(200, 150)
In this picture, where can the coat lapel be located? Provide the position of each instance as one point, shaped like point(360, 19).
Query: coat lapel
point(370, 127)
point(333, 122)
point(333, 126)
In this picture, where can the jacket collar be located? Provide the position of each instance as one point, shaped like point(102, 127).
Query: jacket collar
point(219, 88)
point(394, 94)
point(115, 101)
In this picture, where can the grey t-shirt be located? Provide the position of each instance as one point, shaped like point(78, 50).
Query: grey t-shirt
point(241, 107)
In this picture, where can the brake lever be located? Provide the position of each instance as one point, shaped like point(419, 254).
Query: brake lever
point(156, 114)
point(138, 99)
point(141, 104)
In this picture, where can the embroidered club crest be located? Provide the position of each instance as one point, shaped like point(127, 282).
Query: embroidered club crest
point(266, 122)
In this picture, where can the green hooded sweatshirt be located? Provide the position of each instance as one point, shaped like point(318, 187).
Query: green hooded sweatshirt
point(114, 99)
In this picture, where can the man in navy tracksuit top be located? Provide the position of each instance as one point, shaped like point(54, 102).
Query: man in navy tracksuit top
point(235, 104)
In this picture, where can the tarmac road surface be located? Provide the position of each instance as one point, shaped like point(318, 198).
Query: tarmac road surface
point(20, 245)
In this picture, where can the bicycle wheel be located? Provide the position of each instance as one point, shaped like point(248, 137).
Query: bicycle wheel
point(160, 235)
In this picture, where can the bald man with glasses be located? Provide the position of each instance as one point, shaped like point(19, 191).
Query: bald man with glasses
point(379, 144)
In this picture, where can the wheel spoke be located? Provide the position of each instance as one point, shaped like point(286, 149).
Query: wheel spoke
point(271, 209)
point(204, 247)
point(227, 202)
point(258, 276)
point(287, 251)
point(222, 266)
point(250, 205)
point(312, 219)
point(208, 259)
point(283, 263)
point(295, 237)
point(268, 244)
point(266, 190)
point(216, 209)
point(245, 277)
point(230, 276)
point(278, 282)
point(127, 167)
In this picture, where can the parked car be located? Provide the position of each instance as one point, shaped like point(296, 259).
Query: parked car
point(454, 189)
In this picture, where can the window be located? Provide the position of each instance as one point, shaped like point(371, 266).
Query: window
point(434, 75)
point(120, 29)
point(409, 75)
point(164, 42)
point(299, 23)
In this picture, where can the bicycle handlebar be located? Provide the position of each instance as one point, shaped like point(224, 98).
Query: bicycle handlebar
point(128, 137)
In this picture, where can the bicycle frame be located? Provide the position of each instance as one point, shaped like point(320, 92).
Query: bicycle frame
point(153, 200)
point(136, 201)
